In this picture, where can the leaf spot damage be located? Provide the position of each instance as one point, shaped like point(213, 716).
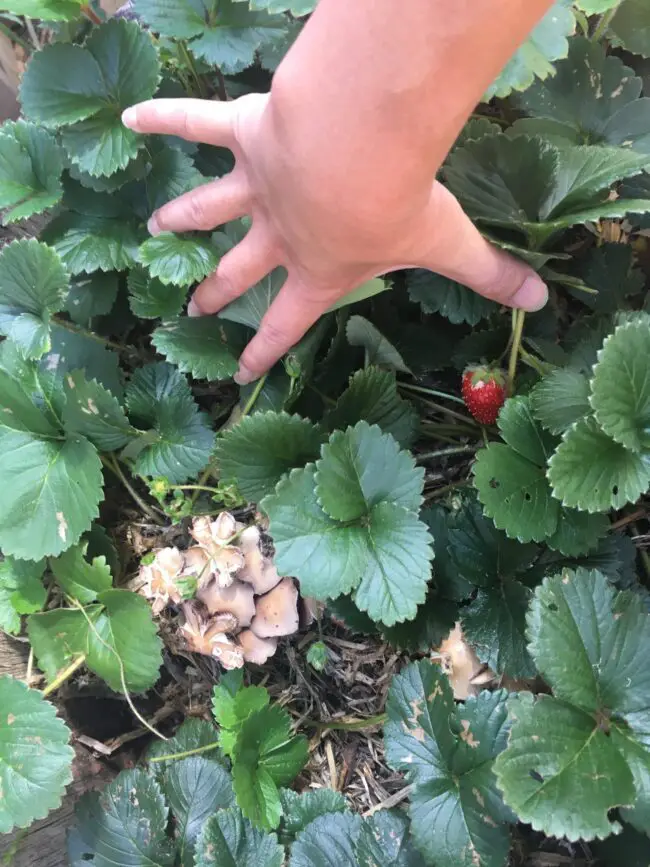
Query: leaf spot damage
point(467, 736)
point(63, 526)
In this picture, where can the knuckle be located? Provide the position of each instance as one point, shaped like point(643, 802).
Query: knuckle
point(273, 335)
point(196, 211)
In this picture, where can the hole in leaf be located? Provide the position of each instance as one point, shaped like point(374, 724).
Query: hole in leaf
point(552, 606)
point(527, 497)
point(494, 483)
point(537, 777)
point(615, 490)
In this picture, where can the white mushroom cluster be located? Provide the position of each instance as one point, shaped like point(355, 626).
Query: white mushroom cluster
point(234, 605)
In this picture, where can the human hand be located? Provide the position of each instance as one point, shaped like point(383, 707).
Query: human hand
point(305, 218)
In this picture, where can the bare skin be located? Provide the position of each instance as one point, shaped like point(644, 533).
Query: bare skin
point(336, 166)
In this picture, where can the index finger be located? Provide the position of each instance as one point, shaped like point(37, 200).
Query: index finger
point(192, 119)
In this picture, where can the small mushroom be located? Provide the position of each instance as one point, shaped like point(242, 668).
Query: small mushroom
point(160, 578)
point(309, 610)
point(237, 599)
point(197, 563)
point(258, 570)
point(256, 650)
point(207, 636)
point(224, 560)
point(464, 669)
point(277, 611)
point(224, 527)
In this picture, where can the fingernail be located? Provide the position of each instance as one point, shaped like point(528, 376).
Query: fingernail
point(532, 295)
point(244, 376)
point(129, 117)
point(193, 308)
point(152, 226)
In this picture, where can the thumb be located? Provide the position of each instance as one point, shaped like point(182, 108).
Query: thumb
point(462, 254)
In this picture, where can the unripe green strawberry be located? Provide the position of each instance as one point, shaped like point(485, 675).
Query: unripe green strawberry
point(484, 392)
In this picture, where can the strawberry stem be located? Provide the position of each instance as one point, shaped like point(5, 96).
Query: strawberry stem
point(432, 391)
point(518, 319)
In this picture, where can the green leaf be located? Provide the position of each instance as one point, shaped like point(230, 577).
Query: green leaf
point(532, 186)
point(89, 243)
point(232, 704)
point(298, 8)
point(125, 633)
point(127, 820)
point(457, 303)
point(590, 645)
point(348, 484)
point(79, 578)
point(52, 493)
point(369, 289)
point(158, 397)
point(195, 788)
point(298, 811)
point(610, 270)
point(229, 840)
point(85, 89)
point(547, 42)
point(510, 478)
point(71, 352)
point(172, 173)
point(92, 411)
point(385, 555)
point(596, 7)
point(578, 532)
point(203, 346)
point(249, 309)
point(21, 591)
point(560, 399)
point(30, 171)
point(258, 451)
point(596, 96)
point(177, 260)
point(372, 396)
point(151, 299)
point(384, 841)
point(266, 755)
point(47, 10)
point(447, 753)
point(621, 385)
point(91, 296)
point(60, 636)
point(630, 27)
point(193, 734)
point(494, 622)
point(379, 351)
point(33, 286)
point(329, 841)
point(35, 759)
point(592, 472)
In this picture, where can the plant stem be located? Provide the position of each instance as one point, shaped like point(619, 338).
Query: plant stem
point(252, 400)
point(175, 756)
point(441, 453)
point(189, 62)
point(439, 492)
point(9, 33)
point(518, 319)
point(457, 415)
point(603, 24)
point(194, 488)
point(33, 34)
point(356, 725)
point(221, 86)
point(645, 557)
point(79, 329)
point(532, 361)
point(432, 391)
point(61, 678)
point(112, 463)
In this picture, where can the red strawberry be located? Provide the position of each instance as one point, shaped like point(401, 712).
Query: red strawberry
point(484, 392)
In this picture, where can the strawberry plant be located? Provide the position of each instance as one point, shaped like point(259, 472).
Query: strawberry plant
point(438, 471)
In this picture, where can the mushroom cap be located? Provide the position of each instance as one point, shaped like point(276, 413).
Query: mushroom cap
point(197, 562)
point(202, 530)
point(229, 654)
point(309, 609)
point(276, 613)
point(223, 527)
point(237, 599)
point(461, 664)
point(169, 561)
point(256, 650)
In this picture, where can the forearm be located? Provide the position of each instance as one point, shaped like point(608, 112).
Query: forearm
point(380, 89)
